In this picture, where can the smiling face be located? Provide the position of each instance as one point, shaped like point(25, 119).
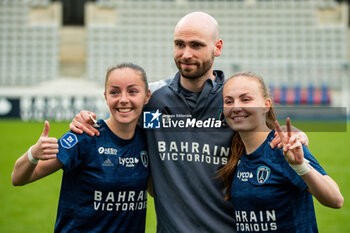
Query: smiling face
point(125, 95)
point(196, 45)
point(245, 106)
point(193, 54)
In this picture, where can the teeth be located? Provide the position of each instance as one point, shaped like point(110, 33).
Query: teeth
point(238, 118)
point(124, 109)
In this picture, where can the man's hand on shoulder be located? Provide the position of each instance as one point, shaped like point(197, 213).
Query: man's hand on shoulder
point(295, 132)
point(83, 123)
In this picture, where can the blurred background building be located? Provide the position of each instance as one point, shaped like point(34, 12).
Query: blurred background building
point(54, 54)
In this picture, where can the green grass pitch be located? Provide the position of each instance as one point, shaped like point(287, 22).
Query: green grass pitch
point(32, 208)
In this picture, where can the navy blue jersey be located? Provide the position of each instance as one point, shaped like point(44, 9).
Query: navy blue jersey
point(267, 194)
point(104, 183)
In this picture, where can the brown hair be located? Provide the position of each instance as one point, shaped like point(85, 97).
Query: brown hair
point(132, 66)
point(237, 146)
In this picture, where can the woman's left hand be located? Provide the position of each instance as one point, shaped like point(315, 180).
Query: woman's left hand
point(292, 147)
point(323, 187)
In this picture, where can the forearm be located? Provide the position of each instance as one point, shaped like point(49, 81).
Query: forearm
point(23, 171)
point(27, 170)
point(323, 188)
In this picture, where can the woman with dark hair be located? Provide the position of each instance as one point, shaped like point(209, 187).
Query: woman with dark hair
point(104, 183)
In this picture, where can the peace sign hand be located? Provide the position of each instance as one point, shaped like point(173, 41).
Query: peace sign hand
point(292, 148)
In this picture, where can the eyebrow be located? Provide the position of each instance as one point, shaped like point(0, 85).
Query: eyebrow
point(132, 85)
point(244, 94)
point(241, 95)
point(191, 42)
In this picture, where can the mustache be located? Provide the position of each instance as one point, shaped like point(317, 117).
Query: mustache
point(188, 62)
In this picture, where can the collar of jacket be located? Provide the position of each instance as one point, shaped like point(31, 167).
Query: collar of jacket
point(217, 83)
point(209, 91)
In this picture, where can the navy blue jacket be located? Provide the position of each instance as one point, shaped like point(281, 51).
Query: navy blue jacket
point(185, 153)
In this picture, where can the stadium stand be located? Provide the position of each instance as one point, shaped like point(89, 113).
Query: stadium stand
point(29, 47)
point(284, 41)
point(301, 95)
point(299, 47)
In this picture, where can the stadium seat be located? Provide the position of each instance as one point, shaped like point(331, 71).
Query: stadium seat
point(297, 95)
point(280, 40)
point(28, 52)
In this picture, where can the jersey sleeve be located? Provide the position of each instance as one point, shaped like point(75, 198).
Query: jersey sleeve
point(70, 150)
point(292, 176)
point(312, 161)
point(295, 178)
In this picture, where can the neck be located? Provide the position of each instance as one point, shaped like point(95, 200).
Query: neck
point(124, 131)
point(196, 85)
point(252, 140)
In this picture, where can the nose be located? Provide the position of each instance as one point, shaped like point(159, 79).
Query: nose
point(236, 107)
point(187, 54)
point(124, 98)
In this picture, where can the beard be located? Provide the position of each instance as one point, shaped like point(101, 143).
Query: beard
point(195, 73)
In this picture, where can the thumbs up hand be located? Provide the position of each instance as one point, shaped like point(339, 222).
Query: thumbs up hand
point(46, 147)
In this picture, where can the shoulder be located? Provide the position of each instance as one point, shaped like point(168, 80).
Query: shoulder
point(313, 161)
point(71, 139)
point(273, 154)
point(154, 86)
point(276, 158)
point(160, 92)
point(139, 133)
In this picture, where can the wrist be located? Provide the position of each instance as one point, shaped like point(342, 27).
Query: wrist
point(301, 169)
point(30, 156)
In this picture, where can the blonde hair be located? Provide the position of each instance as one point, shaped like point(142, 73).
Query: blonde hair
point(237, 146)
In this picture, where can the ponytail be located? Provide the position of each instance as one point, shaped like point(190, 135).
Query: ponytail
point(271, 118)
point(226, 172)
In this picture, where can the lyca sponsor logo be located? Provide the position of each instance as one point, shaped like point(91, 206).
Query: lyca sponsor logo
point(128, 162)
point(244, 176)
point(107, 151)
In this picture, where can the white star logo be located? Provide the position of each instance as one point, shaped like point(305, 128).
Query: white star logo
point(156, 115)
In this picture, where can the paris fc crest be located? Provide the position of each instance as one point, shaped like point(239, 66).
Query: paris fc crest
point(263, 173)
point(144, 158)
